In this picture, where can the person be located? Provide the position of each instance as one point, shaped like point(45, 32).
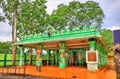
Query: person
point(117, 61)
point(39, 51)
point(80, 58)
point(116, 49)
point(49, 32)
point(69, 60)
point(38, 54)
point(72, 59)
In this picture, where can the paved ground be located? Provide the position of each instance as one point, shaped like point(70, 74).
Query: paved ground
point(49, 72)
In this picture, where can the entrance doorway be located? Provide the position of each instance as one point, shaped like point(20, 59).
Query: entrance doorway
point(77, 57)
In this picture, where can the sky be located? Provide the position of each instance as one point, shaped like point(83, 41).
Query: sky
point(110, 8)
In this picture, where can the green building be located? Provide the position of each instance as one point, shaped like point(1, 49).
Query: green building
point(76, 47)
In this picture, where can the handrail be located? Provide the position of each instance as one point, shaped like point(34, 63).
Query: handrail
point(13, 71)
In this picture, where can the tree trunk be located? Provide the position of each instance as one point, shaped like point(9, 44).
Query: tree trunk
point(14, 39)
point(13, 47)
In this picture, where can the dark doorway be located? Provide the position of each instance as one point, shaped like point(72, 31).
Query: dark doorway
point(75, 58)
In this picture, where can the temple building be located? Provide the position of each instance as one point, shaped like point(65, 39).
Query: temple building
point(77, 47)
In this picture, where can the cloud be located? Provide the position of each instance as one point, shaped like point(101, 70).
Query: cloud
point(52, 5)
point(117, 27)
point(5, 38)
point(112, 13)
point(5, 31)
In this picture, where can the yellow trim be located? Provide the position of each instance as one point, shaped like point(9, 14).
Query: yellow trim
point(102, 41)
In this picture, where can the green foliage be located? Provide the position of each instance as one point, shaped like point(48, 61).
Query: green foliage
point(57, 21)
point(79, 14)
point(1, 56)
point(9, 8)
point(5, 47)
point(2, 18)
point(32, 17)
point(108, 36)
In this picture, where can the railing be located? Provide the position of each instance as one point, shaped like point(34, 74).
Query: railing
point(13, 71)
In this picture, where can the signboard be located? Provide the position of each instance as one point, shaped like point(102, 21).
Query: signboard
point(91, 56)
point(92, 60)
point(116, 36)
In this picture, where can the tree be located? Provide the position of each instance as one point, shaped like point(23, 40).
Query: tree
point(1, 18)
point(57, 21)
point(32, 19)
point(5, 46)
point(1, 14)
point(57, 18)
point(108, 37)
point(79, 14)
point(10, 9)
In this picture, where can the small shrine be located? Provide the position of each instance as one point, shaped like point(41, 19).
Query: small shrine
point(77, 47)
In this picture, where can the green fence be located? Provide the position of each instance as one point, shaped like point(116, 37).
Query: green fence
point(6, 60)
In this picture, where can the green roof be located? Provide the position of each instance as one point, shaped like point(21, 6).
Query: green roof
point(63, 35)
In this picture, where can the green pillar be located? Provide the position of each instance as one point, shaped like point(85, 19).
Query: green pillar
point(21, 56)
point(62, 63)
point(107, 59)
point(80, 60)
point(56, 58)
point(5, 56)
point(104, 58)
point(54, 54)
point(48, 57)
point(94, 65)
point(92, 45)
point(100, 61)
point(71, 55)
